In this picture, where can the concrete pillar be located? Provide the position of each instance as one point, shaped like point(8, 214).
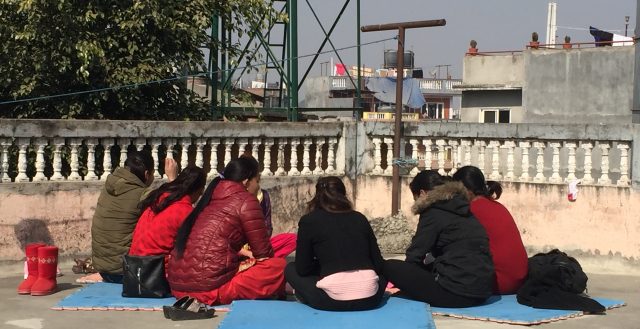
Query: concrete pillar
point(636, 78)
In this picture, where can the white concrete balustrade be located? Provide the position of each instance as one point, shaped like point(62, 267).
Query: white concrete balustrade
point(65, 151)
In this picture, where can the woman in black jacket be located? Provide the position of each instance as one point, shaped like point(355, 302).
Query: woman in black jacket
point(448, 263)
point(338, 265)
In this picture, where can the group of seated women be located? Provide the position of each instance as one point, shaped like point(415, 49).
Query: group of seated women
point(466, 246)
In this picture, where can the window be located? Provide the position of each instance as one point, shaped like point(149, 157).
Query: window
point(433, 111)
point(495, 116)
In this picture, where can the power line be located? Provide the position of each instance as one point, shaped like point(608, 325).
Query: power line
point(203, 74)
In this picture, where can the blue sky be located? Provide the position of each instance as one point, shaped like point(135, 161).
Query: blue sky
point(494, 24)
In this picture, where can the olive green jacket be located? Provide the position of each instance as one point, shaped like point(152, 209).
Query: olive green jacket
point(115, 219)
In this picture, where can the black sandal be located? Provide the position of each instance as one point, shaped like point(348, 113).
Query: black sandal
point(187, 308)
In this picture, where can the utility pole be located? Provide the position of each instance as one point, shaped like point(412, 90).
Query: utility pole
point(401, 27)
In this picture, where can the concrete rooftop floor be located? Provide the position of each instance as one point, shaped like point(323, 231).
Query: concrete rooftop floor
point(18, 311)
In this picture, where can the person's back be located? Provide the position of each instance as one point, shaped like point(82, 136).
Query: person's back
point(165, 209)
point(115, 219)
point(508, 252)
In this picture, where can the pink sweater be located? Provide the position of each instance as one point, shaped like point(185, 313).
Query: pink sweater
point(350, 285)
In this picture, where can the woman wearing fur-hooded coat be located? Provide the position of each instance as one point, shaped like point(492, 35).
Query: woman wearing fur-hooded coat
point(448, 263)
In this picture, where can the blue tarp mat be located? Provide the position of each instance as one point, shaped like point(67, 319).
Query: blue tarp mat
point(394, 313)
point(385, 91)
point(107, 296)
point(505, 309)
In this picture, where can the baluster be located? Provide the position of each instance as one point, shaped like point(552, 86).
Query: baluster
point(200, 143)
point(228, 143)
point(242, 146)
point(268, 144)
point(414, 155)
point(75, 143)
point(213, 159)
point(588, 165)
point(171, 144)
point(510, 146)
point(441, 156)
point(184, 152)
point(604, 178)
point(389, 169)
point(455, 149)
point(377, 156)
point(428, 156)
point(481, 159)
point(571, 161)
point(540, 163)
point(335, 148)
point(331, 157)
point(524, 176)
point(495, 160)
point(91, 159)
point(466, 148)
point(294, 142)
point(280, 156)
point(106, 160)
point(23, 144)
point(255, 147)
point(140, 143)
point(4, 155)
point(40, 144)
point(555, 163)
point(305, 156)
point(124, 148)
point(320, 141)
point(624, 164)
point(57, 159)
point(155, 145)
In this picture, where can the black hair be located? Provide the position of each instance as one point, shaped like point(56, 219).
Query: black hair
point(474, 181)
point(138, 162)
point(331, 196)
point(190, 180)
point(236, 170)
point(426, 180)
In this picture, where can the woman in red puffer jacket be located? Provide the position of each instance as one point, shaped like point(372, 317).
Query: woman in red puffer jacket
point(164, 211)
point(205, 263)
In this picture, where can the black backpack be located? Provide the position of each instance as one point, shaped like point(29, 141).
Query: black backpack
point(558, 269)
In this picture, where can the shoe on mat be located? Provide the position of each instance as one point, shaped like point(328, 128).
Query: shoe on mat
point(187, 308)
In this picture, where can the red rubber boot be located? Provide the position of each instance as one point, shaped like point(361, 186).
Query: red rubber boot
point(31, 252)
point(47, 266)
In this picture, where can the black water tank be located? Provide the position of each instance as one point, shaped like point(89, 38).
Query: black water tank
point(390, 59)
point(417, 74)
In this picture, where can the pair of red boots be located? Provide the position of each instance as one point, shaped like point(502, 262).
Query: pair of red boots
point(42, 264)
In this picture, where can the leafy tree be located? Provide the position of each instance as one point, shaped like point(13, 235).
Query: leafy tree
point(70, 46)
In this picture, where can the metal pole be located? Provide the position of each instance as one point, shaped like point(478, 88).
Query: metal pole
point(397, 137)
point(223, 65)
point(213, 67)
point(293, 59)
point(358, 88)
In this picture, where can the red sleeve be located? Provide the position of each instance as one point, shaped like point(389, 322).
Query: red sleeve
point(254, 228)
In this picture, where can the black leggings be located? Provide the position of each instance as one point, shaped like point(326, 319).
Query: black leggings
point(308, 293)
point(418, 283)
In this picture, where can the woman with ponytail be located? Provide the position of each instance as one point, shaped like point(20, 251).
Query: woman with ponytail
point(163, 212)
point(507, 250)
point(205, 263)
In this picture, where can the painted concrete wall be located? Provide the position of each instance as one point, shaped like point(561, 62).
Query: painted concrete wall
point(601, 226)
point(579, 85)
point(504, 70)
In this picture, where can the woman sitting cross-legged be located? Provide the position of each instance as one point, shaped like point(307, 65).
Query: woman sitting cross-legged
point(338, 265)
point(448, 263)
point(164, 211)
point(205, 264)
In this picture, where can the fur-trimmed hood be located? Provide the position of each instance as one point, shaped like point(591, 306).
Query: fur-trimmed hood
point(445, 192)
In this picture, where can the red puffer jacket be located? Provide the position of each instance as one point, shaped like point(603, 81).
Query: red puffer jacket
point(232, 218)
point(156, 233)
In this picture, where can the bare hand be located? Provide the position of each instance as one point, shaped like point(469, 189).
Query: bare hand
point(170, 169)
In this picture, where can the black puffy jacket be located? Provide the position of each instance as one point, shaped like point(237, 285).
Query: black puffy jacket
point(456, 242)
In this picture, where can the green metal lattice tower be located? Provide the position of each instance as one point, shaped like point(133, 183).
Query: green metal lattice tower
point(276, 50)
